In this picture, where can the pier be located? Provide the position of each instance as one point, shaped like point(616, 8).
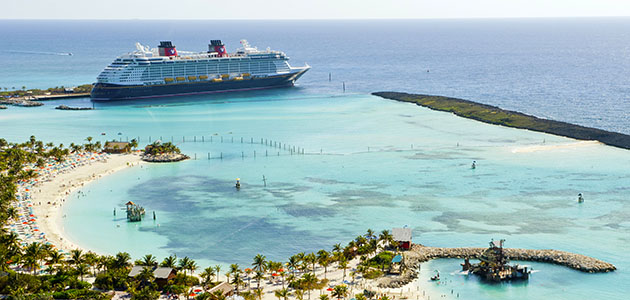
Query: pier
point(419, 254)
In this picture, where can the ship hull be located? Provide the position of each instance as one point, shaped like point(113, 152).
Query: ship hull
point(109, 92)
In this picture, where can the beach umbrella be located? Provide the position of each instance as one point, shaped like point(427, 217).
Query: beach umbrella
point(330, 289)
point(274, 274)
point(192, 295)
point(280, 270)
point(197, 290)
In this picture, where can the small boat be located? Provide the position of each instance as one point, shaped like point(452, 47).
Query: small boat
point(102, 133)
point(436, 277)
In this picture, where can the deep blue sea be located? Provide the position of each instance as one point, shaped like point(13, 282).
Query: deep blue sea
point(369, 163)
point(574, 70)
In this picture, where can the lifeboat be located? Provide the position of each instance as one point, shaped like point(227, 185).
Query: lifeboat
point(203, 77)
point(225, 75)
point(192, 77)
point(246, 74)
point(238, 78)
point(180, 78)
point(168, 79)
point(217, 79)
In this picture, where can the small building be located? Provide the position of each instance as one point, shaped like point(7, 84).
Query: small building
point(225, 288)
point(117, 147)
point(162, 275)
point(402, 236)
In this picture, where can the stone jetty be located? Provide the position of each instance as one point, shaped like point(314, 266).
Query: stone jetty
point(419, 254)
point(166, 157)
point(65, 107)
point(21, 102)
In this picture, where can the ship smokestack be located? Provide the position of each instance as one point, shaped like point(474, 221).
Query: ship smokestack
point(218, 47)
point(166, 48)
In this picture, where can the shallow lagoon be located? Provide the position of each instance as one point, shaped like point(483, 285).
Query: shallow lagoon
point(369, 163)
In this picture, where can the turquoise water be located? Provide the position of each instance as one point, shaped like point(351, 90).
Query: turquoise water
point(368, 163)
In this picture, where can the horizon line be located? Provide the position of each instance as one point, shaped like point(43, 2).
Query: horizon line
point(315, 19)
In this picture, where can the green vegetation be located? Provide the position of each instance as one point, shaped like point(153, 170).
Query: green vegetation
point(58, 90)
point(161, 148)
point(494, 115)
point(63, 276)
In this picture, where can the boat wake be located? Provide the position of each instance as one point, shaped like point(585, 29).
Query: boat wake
point(41, 53)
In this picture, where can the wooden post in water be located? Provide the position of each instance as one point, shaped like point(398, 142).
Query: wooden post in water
point(254, 153)
point(242, 154)
point(183, 139)
point(221, 139)
point(241, 140)
point(203, 139)
point(232, 140)
point(252, 141)
point(221, 155)
point(344, 86)
point(266, 154)
point(208, 155)
point(195, 156)
point(329, 77)
point(195, 139)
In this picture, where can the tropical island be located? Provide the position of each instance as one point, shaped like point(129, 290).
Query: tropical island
point(497, 116)
point(37, 264)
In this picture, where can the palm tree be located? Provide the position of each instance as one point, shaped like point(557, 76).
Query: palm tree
point(217, 269)
point(237, 279)
point(343, 264)
point(340, 291)
point(55, 258)
point(282, 294)
point(122, 260)
point(76, 257)
point(370, 234)
point(169, 262)
point(206, 277)
point(183, 263)
point(91, 260)
point(293, 263)
point(82, 269)
point(259, 277)
point(311, 259)
point(192, 266)
point(259, 263)
point(323, 297)
point(309, 280)
point(149, 261)
point(323, 258)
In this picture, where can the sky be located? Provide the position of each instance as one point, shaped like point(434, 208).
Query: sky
point(308, 9)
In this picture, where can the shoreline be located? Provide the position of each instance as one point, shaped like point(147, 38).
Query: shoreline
point(497, 116)
point(48, 196)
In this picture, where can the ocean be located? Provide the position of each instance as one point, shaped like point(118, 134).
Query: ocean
point(368, 162)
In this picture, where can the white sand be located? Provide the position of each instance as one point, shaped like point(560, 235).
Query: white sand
point(57, 189)
point(537, 148)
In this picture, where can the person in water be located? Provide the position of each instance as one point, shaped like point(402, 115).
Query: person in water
point(474, 165)
point(580, 198)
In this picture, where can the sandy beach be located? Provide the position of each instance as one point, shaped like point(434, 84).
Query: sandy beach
point(42, 199)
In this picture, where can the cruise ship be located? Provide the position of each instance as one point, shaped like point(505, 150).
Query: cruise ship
point(163, 71)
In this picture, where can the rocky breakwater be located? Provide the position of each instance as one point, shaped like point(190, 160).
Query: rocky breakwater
point(21, 102)
point(65, 107)
point(419, 254)
point(165, 157)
